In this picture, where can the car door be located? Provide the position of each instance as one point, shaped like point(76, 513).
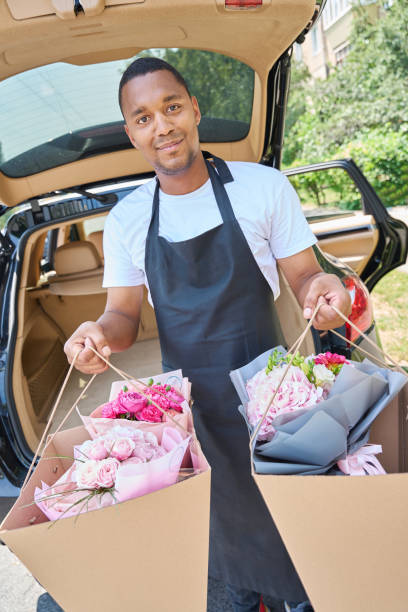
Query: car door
point(349, 219)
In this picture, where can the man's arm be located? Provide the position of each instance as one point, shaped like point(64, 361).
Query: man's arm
point(313, 286)
point(114, 331)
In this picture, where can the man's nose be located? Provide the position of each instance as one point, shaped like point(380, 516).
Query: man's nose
point(163, 124)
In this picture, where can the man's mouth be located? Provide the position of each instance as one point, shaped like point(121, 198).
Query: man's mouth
point(170, 146)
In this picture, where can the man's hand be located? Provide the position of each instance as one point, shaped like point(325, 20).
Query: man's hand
point(88, 334)
point(312, 286)
point(326, 289)
point(114, 331)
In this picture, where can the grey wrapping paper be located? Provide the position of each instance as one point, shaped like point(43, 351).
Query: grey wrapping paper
point(312, 441)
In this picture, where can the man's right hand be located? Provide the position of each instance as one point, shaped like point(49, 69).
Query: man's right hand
point(115, 331)
point(88, 334)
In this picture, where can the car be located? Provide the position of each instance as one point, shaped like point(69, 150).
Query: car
point(66, 161)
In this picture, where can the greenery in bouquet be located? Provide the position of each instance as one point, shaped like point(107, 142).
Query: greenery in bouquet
point(307, 382)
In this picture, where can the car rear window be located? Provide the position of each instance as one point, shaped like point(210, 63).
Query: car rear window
point(61, 113)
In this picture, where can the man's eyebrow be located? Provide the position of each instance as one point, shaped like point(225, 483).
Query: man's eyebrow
point(137, 111)
point(142, 109)
point(172, 97)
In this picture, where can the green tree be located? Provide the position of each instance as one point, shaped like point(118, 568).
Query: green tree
point(222, 85)
point(362, 108)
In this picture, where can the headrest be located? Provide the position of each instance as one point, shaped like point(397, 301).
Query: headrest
point(74, 257)
point(97, 240)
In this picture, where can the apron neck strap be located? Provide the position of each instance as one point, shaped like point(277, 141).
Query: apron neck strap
point(218, 176)
point(221, 167)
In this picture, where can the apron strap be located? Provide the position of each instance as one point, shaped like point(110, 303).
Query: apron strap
point(223, 171)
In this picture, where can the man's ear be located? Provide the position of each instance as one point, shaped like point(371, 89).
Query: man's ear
point(196, 109)
point(129, 135)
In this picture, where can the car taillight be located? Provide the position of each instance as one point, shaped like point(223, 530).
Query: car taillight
point(242, 4)
point(361, 309)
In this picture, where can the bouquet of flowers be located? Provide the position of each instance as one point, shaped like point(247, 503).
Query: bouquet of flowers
point(319, 416)
point(122, 465)
point(308, 381)
point(137, 404)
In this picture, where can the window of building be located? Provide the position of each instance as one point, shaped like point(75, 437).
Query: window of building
point(333, 10)
point(341, 52)
point(315, 41)
point(298, 52)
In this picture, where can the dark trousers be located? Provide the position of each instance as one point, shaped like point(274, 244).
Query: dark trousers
point(244, 600)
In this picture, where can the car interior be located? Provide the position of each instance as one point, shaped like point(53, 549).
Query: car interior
point(60, 285)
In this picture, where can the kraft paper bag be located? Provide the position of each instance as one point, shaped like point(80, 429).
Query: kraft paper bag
point(347, 535)
point(148, 553)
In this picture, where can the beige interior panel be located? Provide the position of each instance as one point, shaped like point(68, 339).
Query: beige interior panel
point(45, 320)
point(354, 248)
point(291, 317)
point(257, 38)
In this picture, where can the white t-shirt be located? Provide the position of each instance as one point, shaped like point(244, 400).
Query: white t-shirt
point(264, 203)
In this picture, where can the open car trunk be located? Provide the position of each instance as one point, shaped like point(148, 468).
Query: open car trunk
point(52, 305)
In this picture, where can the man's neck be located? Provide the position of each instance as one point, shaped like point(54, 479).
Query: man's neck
point(187, 181)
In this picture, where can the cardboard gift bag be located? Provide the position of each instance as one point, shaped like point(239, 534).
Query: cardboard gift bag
point(348, 535)
point(147, 554)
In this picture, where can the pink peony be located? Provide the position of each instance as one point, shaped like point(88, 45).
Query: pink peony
point(106, 472)
point(108, 411)
point(295, 393)
point(131, 401)
point(122, 448)
point(86, 474)
point(150, 414)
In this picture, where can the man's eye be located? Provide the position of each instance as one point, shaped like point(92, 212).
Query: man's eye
point(174, 107)
point(143, 119)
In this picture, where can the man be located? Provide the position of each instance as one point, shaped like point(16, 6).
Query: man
point(205, 238)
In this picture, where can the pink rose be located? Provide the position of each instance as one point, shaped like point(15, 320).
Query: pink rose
point(132, 460)
point(151, 414)
point(150, 438)
point(158, 452)
point(86, 474)
point(108, 411)
point(122, 448)
point(131, 401)
point(144, 451)
point(97, 450)
point(106, 472)
point(118, 408)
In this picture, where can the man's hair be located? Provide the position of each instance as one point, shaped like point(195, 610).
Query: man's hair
point(144, 65)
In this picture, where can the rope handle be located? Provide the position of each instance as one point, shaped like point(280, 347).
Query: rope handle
point(296, 346)
point(124, 375)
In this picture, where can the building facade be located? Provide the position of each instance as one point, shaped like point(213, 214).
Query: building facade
point(328, 42)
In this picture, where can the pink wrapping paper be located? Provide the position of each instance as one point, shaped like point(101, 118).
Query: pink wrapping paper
point(96, 425)
point(132, 480)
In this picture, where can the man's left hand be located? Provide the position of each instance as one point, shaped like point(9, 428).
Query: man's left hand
point(312, 286)
point(326, 289)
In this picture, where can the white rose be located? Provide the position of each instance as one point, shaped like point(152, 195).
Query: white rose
point(323, 375)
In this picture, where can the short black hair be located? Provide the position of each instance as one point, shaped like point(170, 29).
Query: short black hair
point(144, 65)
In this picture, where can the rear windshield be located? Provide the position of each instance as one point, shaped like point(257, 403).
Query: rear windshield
point(61, 113)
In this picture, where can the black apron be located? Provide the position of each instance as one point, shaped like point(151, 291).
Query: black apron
point(215, 312)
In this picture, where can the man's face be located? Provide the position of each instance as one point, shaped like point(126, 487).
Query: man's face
point(161, 121)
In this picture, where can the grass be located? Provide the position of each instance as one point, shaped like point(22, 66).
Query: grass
point(390, 300)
